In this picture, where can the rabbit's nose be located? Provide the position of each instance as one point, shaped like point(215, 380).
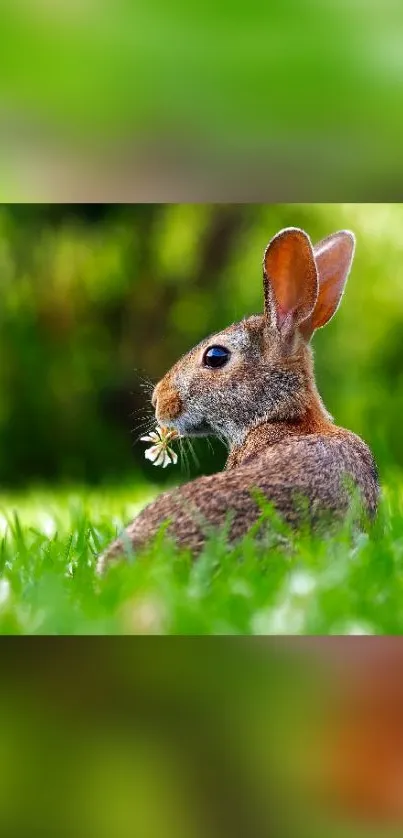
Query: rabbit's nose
point(154, 397)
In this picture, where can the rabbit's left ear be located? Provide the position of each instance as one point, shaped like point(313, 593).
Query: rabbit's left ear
point(290, 280)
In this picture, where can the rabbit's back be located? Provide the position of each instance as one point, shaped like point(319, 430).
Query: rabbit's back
point(307, 474)
point(322, 469)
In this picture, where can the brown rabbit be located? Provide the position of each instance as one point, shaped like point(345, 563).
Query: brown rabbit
point(253, 385)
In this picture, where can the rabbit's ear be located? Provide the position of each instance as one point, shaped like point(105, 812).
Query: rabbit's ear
point(290, 279)
point(334, 256)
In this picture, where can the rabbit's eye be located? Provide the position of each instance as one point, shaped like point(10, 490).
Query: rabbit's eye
point(216, 356)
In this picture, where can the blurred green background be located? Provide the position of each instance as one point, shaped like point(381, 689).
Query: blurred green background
point(98, 299)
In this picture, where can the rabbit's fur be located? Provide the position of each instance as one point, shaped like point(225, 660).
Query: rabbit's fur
point(265, 404)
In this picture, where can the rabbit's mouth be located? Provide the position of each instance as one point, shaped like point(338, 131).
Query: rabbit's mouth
point(172, 411)
point(186, 425)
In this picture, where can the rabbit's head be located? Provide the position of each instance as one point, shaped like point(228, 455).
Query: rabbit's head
point(261, 368)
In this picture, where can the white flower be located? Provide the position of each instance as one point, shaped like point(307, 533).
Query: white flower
point(160, 453)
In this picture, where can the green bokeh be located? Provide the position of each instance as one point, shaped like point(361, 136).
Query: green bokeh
point(97, 298)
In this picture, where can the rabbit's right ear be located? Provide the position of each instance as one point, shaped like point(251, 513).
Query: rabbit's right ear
point(290, 280)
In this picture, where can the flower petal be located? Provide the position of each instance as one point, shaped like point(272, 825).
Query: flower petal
point(148, 438)
point(160, 459)
point(173, 456)
point(152, 453)
point(167, 460)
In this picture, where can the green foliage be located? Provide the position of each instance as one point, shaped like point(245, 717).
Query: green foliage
point(97, 298)
point(288, 584)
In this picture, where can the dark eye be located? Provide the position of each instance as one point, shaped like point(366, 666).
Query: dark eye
point(216, 356)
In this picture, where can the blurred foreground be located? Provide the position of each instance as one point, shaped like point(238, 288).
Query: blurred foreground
point(202, 738)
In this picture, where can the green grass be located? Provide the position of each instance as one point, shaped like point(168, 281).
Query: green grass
point(341, 585)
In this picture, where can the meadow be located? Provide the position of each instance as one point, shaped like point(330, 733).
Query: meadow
point(346, 584)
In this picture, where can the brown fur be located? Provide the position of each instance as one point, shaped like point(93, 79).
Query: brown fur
point(265, 404)
point(168, 399)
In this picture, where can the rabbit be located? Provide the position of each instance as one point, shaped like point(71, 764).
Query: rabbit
point(253, 385)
